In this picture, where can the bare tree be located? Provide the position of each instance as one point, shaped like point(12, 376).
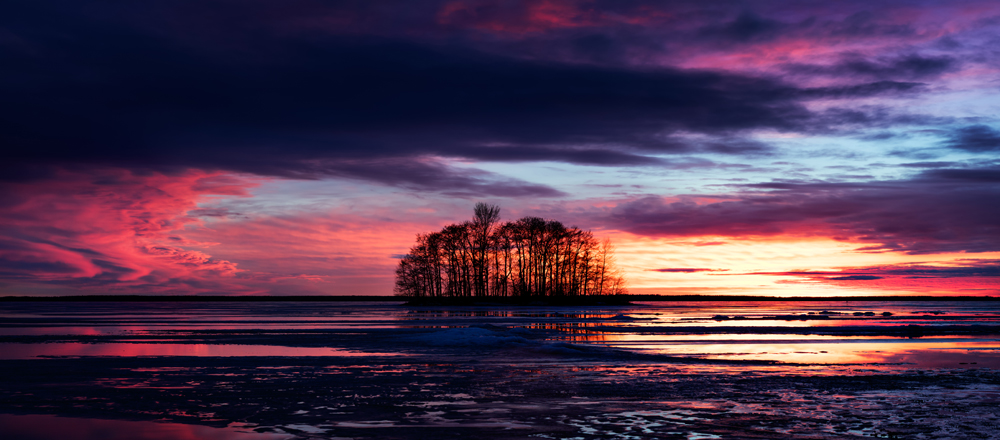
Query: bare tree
point(528, 257)
point(483, 227)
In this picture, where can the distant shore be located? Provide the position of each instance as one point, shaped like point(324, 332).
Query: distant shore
point(596, 300)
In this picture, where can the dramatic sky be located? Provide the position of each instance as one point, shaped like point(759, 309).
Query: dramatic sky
point(298, 146)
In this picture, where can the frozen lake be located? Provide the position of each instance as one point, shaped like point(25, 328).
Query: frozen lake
point(685, 370)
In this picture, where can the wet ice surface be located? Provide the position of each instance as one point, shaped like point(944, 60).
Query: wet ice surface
point(378, 370)
point(45, 426)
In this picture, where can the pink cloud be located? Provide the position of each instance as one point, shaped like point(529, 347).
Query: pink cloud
point(128, 232)
point(113, 230)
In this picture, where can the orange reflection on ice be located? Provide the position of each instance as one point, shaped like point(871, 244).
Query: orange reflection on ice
point(934, 353)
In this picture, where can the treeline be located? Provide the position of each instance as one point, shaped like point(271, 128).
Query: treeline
point(528, 257)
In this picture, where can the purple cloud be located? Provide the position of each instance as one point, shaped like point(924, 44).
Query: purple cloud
point(940, 210)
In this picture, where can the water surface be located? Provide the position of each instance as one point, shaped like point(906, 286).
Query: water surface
point(382, 370)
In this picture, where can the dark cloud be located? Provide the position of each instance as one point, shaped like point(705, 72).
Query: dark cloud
point(958, 269)
point(357, 98)
point(848, 119)
point(856, 278)
point(582, 156)
point(906, 67)
point(939, 210)
point(108, 93)
point(428, 175)
point(912, 66)
point(975, 138)
point(866, 23)
point(880, 136)
point(747, 26)
point(736, 146)
point(212, 213)
point(724, 144)
point(861, 90)
point(928, 164)
point(292, 92)
point(974, 175)
point(686, 270)
point(951, 277)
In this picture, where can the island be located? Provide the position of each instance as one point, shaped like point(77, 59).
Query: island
point(528, 261)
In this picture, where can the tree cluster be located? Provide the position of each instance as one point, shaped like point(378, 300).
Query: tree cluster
point(488, 258)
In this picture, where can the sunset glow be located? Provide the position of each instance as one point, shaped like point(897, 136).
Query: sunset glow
point(751, 148)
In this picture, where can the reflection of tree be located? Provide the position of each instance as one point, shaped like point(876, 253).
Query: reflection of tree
point(527, 257)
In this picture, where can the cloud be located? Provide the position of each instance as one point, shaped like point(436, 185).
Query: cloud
point(424, 174)
point(709, 243)
point(124, 117)
point(861, 90)
point(580, 156)
point(855, 278)
point(110, 230)
point(525, 17)
point(272, 92)
point(971, 175)
point(747, 26)
point(959, 276)
point(114, 231)
point(686, 270)
point(939, 210)
point(913, 66)
point(975, 138)
point(379, 99)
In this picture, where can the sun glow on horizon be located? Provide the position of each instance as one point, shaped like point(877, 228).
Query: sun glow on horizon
point(779, 267)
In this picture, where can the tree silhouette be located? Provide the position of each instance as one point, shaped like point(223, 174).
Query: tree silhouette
point(524, 258)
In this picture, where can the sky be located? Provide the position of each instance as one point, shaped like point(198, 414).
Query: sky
point(296, 147)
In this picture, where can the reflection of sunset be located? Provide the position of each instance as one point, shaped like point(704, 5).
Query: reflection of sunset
point(935, 354)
